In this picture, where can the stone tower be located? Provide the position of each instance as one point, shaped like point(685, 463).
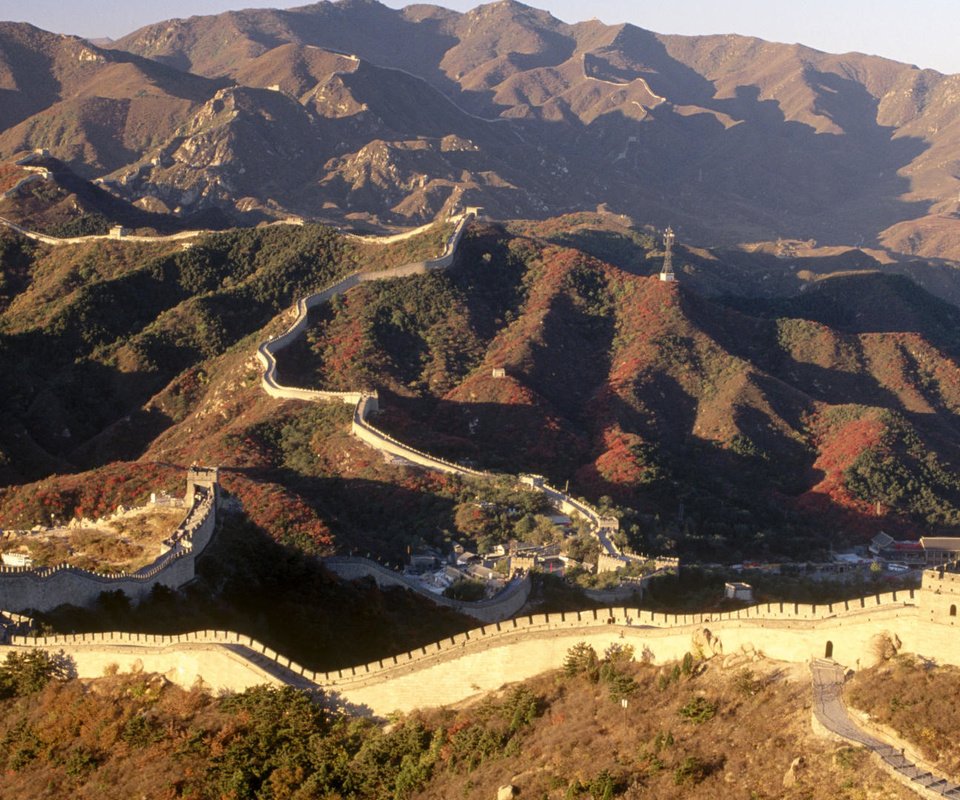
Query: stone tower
point(207, 479)
point(666, 274)
point(940, 596)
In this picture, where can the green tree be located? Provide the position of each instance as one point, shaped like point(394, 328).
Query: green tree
point(25, 673)
point(699, 710)
point(582, 660)
point(690, 770)
point(272, 735)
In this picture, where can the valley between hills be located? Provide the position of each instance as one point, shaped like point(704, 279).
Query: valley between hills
point(167, 198)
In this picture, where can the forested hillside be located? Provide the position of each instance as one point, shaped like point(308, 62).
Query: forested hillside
point(725, 427)
point(690, 728)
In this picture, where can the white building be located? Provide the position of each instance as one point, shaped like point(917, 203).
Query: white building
point(738, 591)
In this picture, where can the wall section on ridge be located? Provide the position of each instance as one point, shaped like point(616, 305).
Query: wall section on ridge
point(502, 606)
point(485, 658)
point(43, 589)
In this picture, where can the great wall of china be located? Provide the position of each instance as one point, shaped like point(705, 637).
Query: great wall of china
point(485, 658)
point(42, 589)
point(507, 602)
point(366, 403)
point(498, 652)
point(45, 588)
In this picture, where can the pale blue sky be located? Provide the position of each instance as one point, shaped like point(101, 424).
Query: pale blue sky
point(922, 32)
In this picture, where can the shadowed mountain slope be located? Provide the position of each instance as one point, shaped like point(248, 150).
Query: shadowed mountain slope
point(724, 420)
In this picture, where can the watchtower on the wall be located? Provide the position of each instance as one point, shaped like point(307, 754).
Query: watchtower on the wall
point(940, 596)
point(207, 478)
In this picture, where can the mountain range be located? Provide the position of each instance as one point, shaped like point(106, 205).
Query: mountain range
point(723, 426)
point(358, 114)
point(796, 389)
point(787, 357)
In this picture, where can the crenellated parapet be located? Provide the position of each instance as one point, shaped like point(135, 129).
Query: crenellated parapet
point(45, 588)
point(482, 659)
point(941, 593)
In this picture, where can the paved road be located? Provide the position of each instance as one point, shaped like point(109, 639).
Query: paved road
point(828, 677)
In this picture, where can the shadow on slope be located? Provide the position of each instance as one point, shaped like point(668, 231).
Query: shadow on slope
point(248, 583)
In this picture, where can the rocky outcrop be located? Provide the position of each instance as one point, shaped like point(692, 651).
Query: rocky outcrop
point(706, 644)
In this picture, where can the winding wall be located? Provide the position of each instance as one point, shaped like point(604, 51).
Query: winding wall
point(56, 241)
point(485, 658)
point(365, 403)
point(45, 588)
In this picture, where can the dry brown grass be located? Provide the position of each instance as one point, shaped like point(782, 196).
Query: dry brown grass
point(743, 751)
point(135, 735)
point(123, 544)
point(73, 739)
point(917, 700)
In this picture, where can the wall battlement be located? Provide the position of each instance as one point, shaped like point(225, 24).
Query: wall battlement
point(941, 587)
point(784, 615)
point(45, 588)
point(485, 657)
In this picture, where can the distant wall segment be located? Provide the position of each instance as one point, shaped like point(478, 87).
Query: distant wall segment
point(366, 403)
point(505, 604)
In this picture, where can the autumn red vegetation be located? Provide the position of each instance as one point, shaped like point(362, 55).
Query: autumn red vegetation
point(10, 174)
point(737, 428)
point(94, 494)
point(644, 392)
point(840, 438)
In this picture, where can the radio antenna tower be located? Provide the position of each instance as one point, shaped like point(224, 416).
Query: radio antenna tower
point(666, 274)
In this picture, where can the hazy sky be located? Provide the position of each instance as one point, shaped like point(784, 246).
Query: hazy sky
point(921, 32)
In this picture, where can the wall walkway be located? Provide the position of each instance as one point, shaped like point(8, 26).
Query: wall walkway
point(485, 658)
point(831, 713)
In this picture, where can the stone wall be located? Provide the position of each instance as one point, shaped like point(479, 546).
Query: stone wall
point(385, 443)
point(266, 352)
point(33, 177)
point(367, 403)
point(941, 587)
point(218, 660)
point(505, 604)
point(491, 655)
point(56, 241)
point(466, 667)
point(45, 588)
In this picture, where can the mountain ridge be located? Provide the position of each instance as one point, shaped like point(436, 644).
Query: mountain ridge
point(728, 138)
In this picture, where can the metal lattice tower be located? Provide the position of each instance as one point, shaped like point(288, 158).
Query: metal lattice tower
point(666, 274)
